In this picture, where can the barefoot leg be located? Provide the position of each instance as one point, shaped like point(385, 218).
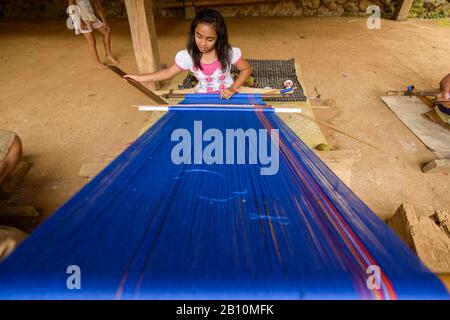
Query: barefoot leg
point(107, 44)
point(93, 49)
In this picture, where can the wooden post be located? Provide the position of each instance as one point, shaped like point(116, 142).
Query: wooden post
point(143, 34)
point(402, 10)
point(189, 12)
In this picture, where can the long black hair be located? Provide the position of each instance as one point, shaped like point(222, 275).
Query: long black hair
point(223, 48)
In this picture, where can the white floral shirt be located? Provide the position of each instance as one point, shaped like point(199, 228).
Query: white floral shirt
point(212, 79)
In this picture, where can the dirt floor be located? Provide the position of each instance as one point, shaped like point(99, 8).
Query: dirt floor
point(68, 113)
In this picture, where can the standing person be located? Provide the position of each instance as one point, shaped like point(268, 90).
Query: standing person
point(92, 17)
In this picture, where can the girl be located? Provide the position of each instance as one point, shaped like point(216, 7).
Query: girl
point(208, 56)
point(88, 21)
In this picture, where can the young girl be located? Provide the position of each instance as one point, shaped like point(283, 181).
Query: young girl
point(89, 21)
point(208, 56)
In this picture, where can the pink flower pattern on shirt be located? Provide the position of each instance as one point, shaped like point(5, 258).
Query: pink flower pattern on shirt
point(213, 81)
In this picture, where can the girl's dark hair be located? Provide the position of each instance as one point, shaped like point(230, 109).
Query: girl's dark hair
point(223, 48)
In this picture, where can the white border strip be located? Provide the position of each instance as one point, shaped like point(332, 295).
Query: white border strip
point(167, 108)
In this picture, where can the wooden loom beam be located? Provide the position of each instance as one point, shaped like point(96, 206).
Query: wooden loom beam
point(137, 85)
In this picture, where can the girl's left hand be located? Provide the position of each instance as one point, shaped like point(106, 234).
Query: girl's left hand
point(227, 93)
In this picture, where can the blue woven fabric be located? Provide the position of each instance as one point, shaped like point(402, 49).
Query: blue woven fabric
point(146, 228)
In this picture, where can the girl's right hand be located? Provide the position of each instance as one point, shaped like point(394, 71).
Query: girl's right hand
point(132, 76)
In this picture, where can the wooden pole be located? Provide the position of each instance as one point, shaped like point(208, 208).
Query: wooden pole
point(143, 34)
point(402, 10)
point(338, 130)
point(416, 93)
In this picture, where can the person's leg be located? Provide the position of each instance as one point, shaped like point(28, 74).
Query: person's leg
point(107, 44)
point(93, 50)
point(11, 160)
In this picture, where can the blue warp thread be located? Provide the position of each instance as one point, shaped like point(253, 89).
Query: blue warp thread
point(146, 228)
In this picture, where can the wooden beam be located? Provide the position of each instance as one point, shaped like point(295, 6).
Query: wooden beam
point(137, 85)
point(437, 166)
point(203, 3)
point(189, 13)
point(414, 93)
point(410, 111)
point(143, 34)
point(402, 10)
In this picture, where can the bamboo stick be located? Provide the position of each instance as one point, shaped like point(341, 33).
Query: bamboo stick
point(340, 131)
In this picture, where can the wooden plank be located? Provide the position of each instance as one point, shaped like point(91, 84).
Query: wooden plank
point(265, 93)
point(437, 166)
point(433, 116)
point(402, 10)
point(426, 100)
point(410, 111)
point(172, 93)
point(143, 34)
point(138, 85)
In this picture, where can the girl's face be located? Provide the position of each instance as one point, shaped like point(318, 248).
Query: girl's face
point(205, 37)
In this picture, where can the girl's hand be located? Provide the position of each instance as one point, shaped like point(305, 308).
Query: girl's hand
point(134, 77)
point(227, 93)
